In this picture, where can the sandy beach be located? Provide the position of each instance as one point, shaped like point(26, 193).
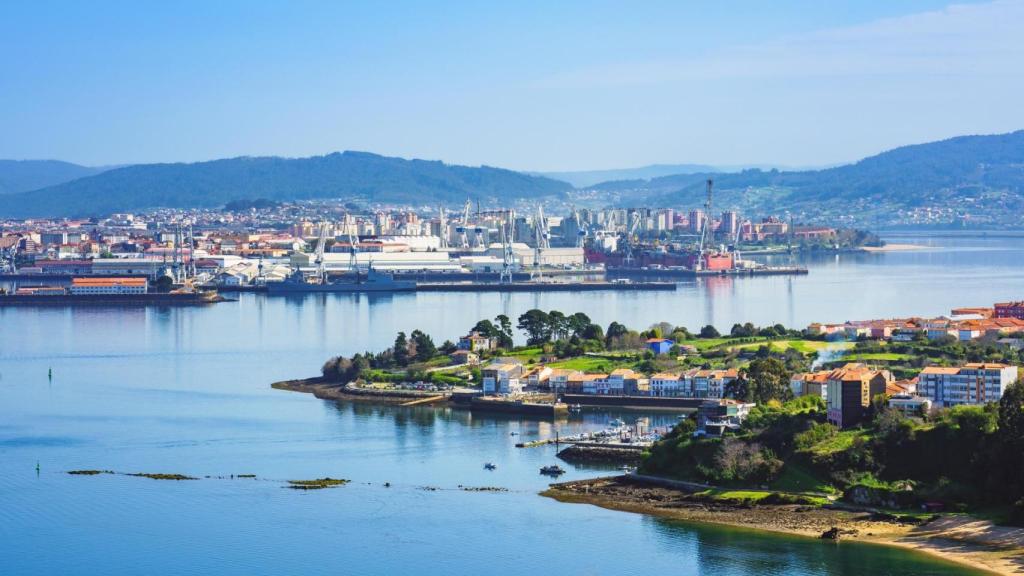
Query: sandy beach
point(961, 539)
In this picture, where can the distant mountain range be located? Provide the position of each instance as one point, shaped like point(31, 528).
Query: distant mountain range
point(969, 174)
point(339, 175)
point(586, 178)
point(25, 175)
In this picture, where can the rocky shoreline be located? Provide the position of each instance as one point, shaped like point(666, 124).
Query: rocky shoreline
point(324, 390)
point(963, 540)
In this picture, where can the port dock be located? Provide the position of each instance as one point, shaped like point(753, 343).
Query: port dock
point(544, 286)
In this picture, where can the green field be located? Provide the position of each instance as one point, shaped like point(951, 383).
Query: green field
point(592, 364)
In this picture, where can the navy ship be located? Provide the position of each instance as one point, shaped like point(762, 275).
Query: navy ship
point(373, 281)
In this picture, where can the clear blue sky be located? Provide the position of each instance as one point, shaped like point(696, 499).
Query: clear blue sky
point(527, 85)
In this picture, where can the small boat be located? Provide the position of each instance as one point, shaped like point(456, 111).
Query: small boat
point(490, 466)
point(554, 470)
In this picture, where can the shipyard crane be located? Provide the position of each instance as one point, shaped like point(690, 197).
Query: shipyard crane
point(704, 229)
point(318, 258)
point(541, 237)
point(508, 256)
point(631, 230)
point(353, 251)
point(442, 229)
point(463, 228)
point(581, 233)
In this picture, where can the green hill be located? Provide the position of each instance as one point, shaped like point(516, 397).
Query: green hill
point(340, 175)
point(24, 175)
point(968, 173)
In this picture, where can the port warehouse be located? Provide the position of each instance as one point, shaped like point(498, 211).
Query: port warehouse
point(433, 261)
point(130, 285)
point(440, 261)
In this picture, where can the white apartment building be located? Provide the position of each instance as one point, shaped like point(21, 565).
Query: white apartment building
point(975, 383)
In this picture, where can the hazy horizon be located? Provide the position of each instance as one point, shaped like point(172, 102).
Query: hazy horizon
point(530, 87)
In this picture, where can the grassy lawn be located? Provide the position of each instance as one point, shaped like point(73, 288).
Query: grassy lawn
point(703, 344)
point(591, 364)
point(842, 440)
point(795, 478)
point(752, 496)
point(527, 354)
point(881, 356)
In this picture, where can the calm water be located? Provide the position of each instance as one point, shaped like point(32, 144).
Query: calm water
point(186, 391)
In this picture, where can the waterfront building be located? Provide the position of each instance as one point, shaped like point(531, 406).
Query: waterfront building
point(850, 390)
point(90, 286)
point(711, 383)
point(538, 377)
point(558, 379)
point(715, 417)
point(502, 377)
point(974, 383)
point(665, 385)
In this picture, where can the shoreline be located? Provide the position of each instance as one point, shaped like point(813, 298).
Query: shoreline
point(962, 540)
point(893, 248)
point(338, 391)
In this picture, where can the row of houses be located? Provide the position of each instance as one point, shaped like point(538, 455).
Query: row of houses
point(964, 324)
point(849, 390)
point(509, 376)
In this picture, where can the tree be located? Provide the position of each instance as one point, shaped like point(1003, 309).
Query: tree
point(537, 326)
point(504, 332)
point(738, 389)
point(578, 324)
point(709, 331)
point(425, 349)
point(486, 328)
point(1010, 436)
point(615, 330)
point(769, 380)
point(400, 351)
point(594, 332)
point(558, 324)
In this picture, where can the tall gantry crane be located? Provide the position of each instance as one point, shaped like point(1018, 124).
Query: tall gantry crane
point(442, 228)
point(318, 254)
point(541, 237)
point(704, 229)
point(631, 230)
point(463, 228)
point(508, 256)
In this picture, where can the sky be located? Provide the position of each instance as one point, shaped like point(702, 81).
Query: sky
point(527, 85)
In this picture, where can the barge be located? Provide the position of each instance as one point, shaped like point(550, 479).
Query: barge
point(147, 299)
